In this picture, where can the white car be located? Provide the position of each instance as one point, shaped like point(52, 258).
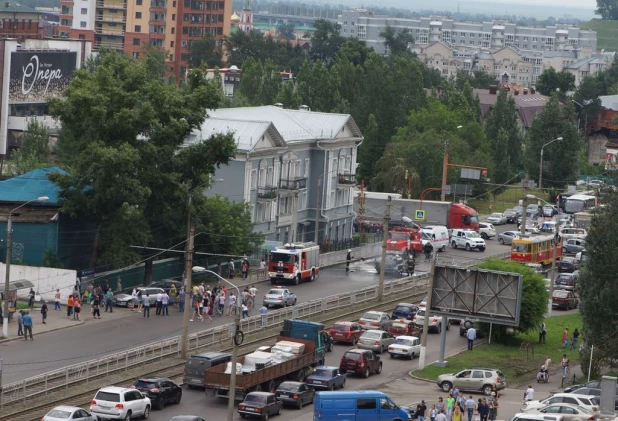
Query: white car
point(374, 320)
point(570, 398)
point(405, 346)
point(435, 322)
point(496, 218)
point(120, 403)
point(467, 239)
point(69, 413)
point(487, 230)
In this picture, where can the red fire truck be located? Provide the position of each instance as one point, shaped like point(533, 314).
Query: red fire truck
point(295, 263)
point(402, 238)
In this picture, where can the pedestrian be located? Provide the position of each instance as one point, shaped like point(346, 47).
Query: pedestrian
point(138, 297)
point(477, 414)
point(493, 413)
point(27, 321)
point(263, 268)
point(146, 301)
point(253, 291)
point(86, 297)
point(484, 410)
point(574, 339)
point(31, 295)
point(421, 410)
point(133, 298)
point(490, 206)
point(221, 303)
point(181, 300)
point(108, 300)
point(200, 302)
point(165, 299)
point(208, 303)
point(43, 311)
point(440, 405)
point(529, 394)
point(565, 365)
point(230, 268)
point(244, 269)
point(20, 323)
point(245, 310)
point(57, 301)
point(461, 402)
point(263, 310)
point(196, 310)
point(457, 413)
point(173, 294)
point(542, 333)
point(547, 363)
point(455, 392)
point(450, 404)
point(69, 306)
point(96, 311)
point(159, 303)
point(470, 405)
point(348, 260)
point(77, 307)
point(231, 302)
point(433, 412)
point(441, 416)
point(219, 268)
point(471, 334)
point(565, 337)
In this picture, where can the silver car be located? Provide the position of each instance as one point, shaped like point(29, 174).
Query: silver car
point(496, 218)
point(375, 340)
point(374, 320)
point(124, 299)
point(507, 237)
point(279, 297)
point(476, 379)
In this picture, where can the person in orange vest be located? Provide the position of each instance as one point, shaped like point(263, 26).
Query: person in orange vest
point(70, 306)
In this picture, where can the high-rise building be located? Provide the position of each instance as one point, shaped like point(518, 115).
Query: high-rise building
point(130, 25)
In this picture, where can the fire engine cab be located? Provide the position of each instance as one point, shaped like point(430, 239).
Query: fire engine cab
point(294, 262)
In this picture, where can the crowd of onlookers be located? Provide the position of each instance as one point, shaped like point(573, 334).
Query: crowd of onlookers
point(457, 407)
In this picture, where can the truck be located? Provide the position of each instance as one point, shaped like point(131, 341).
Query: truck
point(316, 342)
point(294, 263)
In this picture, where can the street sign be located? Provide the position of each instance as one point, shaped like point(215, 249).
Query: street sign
point(446, 188)
point(471, 173)
point(419, 215)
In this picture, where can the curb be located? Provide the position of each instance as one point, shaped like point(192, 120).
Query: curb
point(2, 341)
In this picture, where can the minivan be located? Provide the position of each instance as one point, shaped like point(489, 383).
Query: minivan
point(361, 405)
point(438, 234)
point(197, 364)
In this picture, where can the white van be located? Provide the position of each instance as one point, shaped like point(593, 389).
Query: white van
point(438, 234)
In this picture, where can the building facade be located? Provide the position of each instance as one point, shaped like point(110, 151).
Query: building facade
point(294, 167)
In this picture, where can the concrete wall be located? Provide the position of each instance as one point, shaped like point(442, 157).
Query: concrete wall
point(45, 280)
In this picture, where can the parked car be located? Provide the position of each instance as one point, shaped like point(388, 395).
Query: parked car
point(496, 218)
point(166, 284)
point(567, 281)
point(187, 418)
point(260, 405)
point(404, 311)
point(467, 324)
point(360, 361)
point(567, 411)
point(326, 378)
point(476, 379)
point(467, 239)
point(507, 237)
point(486, 230)
point(124, 299)
point(405, 346)
point(160, 390)
point(536, 210)
point(511, 216)
point(375, 340)
point(594, 384)
point(404, 327)
point(550, 210)
point(573, 245)
point(120, 403)
point(347, 332)
point(279, 297)
point(557, 398)
point(435, 322)
point(595, 395)
point(295, 394)
point(374, 320)
point(63, 413)
point(519, 210)
point(564, 299)
point(568, 264)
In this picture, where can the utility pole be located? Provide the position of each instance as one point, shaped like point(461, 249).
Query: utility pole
point(432, 274)
point(444, 173)
point(524, 215)
point(188, 265)
point(294, 211)
point(387, 221)
point(318, 210)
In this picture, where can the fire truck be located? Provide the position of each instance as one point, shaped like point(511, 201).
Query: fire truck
point(402, 238)
point(294, 263)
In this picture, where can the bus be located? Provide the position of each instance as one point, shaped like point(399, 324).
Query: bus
point(579, 203)
point(562, 198)
point(536, 249)
point(582, 219)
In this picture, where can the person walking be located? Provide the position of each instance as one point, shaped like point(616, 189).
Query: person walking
point(484, 410)
point(43, 311)
point(455, 392)
point(57, 301)
point(196, 310)
point(457, 413)
point(348, 260)
point(470, 406)
point(565, 337)
point(20, 323)
point(263, 268)
point(31, 295)
point(433, 412)
point(471, 334)
point(231, 302)
point(244, 269)
point(181, 299)
point(221, 303)
point(574, 339)
point(440, 405)
point(173, 294)
point(133, 298)
point(159, 304)
point(146, 301)
point(69, 306)
point(441, 416)
point(450, 405)
point(208, 307)
point(245, 310)
point(230, 268)
point(96, 311)
point(542, 333)
point(547, 363)
point(27, 321)
point(493, 412)
point(421, 410)
point(77, 308)
point(108, 300)
point(165, 299)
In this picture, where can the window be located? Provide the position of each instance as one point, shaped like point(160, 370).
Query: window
point(366, 404)
point(84, 11)
point(135, 55)
point(138, 2)
point(138, 28)
point(183, 43)
point(173, 17)
point(173, 30)
point(82, 24)
point(135, 41)
point(477, 374)
point(171, 44)
point(138, 15)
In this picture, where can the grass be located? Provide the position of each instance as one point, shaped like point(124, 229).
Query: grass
point(24, 306)
point(607, 33)
point(518, 365)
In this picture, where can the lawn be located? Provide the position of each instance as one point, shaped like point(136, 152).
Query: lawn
point(519, 360)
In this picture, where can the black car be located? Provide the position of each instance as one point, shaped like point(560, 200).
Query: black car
point(568, 265)
point(166, 284)
point(295, 393)
point(160, 390)
point(260, 404)
point(567, 281)
point(404, 311)
point(467, 324)
point(511, 216)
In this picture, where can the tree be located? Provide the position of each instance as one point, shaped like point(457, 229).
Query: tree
point(123, 125)
point(285, 30)
point(251, 81)
point(397, 41)
point(34, 152)
point(51, 259)
point(288, 96)
point(551, 81)
point(607, 9)
point(270, 83)
point(372, 148)
point(315, 86)
point(204, 53)
point(355, 51)
point(325, 41)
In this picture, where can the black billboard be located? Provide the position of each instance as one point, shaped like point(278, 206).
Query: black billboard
point(35, 76)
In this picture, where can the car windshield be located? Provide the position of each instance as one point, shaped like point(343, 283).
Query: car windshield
point(371, 335)
point(255, 398)
point(509, 212)
point(496, 215)
point(344, 328)
point(57, 413)
point(474, 219)
point(399, 236)
point(472, 234)
point(568, 260)
point(281, 257)
point(561, 294)
point(401, 341)
point(107, 396)
point(421, 313)
point(371, 316)
point(564, 279)
point(275, 292)
point(352, 356)
point(403, 309)
point(323, 373)
point(288, 387)
point(144, 385)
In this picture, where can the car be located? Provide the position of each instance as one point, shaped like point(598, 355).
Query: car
point(595, 395)
point(467, 239)
point(260, 405)
point(423, 303)
point(475, 379)
point(187, 418)
point(519, 210)
point(296, 394)
point(64, 412)
point(326, 378)
point(548, 227)
point(538, 268)
point(435, 322)
point(547, 283)
point(347, 332)
point(361, 362)
point(374, 320)
point(160, 390)
point(123, 299)
point(120, 403)
point(567, 411)
point(536, 210)
point(486, 230)
point(594, 384)
point(567, 281)
point(279, 297)
point(467, 324)
point(550, 210)
point(405, 346)
point(568, 264)
point(404, 327)
point(404, 311)
point(497, 218)
point(166, 284)
point(511, 216)
point(564, 299)
point(558, 398)
point(571, 232)
point(507, 237)
point(573, 245)
point(375, 340)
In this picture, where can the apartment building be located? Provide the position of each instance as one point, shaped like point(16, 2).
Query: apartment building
point(130, 25)
point(18, 21)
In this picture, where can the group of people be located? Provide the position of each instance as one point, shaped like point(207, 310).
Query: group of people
point(457, 407)
point(574, 338)
point(206, 302)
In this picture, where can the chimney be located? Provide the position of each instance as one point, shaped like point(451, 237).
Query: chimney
point(493, 89)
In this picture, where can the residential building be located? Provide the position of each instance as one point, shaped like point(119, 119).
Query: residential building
point(528, 102)
point(294, 167)
point(19, 21)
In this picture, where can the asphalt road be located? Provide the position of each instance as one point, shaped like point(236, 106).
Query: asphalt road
point(95, 339)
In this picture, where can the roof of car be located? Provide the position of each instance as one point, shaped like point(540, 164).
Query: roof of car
point(292, 383)
point(373, 331)
point(406, 337)
point(344, 323)
point(67, 408)
point(114, 389)
point(326, 367)
point(375, 312)
point(152, 379)
point(359, 351)
point(261, 393)
point(406, 304)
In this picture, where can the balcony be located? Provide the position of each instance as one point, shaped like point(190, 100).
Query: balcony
point(345, 181)
point(109, 32)
point(114, 19)
point(111, 5)
point(293, 184)
point(109, 45)
point(267, 193)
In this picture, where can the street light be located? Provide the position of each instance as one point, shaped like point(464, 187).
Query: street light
point(541, 163)
point(235, 343)
point(9, 244)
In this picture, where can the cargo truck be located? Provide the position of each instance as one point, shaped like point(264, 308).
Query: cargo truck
point(266, 377)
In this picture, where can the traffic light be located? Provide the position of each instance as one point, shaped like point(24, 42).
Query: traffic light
point(483, 175)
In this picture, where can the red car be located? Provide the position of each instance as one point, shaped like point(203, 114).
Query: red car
point(360, 361)
point(404, 327)
point(348, 332)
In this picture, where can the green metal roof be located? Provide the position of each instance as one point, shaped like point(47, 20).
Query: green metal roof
point(14, 7)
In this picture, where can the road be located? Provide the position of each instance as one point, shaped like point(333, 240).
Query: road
point(96, 338)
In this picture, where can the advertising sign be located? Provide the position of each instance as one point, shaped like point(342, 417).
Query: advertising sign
point(610, 159)
point(35, 76)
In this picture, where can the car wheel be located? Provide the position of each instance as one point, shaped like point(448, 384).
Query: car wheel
point(160, 403)
point(446, 387)
point(178, 398)
point(297, 280)
point(467, 246)
point(392, 355)
point(128, 416)
point(280, 410)
point(312, 276)
point(454, 245)
point(379, 370)
point(265, 416)
point(366, 373)
point(381, 350)
point(487, 389)
point(564, 250)
point(294, 303)
point(412, 356)
point(146, 413)
point(444, 248)
point(300, 404)
point(501, 240)
point(484, 236)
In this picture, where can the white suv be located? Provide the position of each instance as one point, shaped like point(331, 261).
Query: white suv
point(487, 230)
point(468, 239)
point(119, 403)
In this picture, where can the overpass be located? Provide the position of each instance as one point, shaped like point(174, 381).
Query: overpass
point(272, 19)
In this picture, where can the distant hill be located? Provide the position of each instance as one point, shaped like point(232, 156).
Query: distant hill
point(607, 33)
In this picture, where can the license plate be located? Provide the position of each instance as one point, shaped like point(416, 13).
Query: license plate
point(196, 381)
point(249, 409)
point(284, 395)
point(338, 334)
point(280, 275)
point(107, 408)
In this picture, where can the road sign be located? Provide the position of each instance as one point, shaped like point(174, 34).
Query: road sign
point(419, 215)
point(471, 173)
point(446, 188)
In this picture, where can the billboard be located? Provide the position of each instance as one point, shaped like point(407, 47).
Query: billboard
point(479, 294)
point(36, 75)
point(610, 159)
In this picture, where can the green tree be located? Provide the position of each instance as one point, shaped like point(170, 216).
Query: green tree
point(315, 86)
point(34, 152)
point(288, 96)
point(372, 148)
point(325, 41)
point(607, 9)
point(270, 83)
point(285, 30)
point(204, 53)
point(51, 259)
point(252, 79)
point(355, 51)
point(123, 126)
point(397, 41)
point(551, 81)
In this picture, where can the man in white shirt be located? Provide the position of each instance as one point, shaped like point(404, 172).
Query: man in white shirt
point(529, 395)
point(441, 416)
point(231, 304)
point(159, 304)
point(471, 334)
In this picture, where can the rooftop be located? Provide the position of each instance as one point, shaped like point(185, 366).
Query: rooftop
point(13, 7)
point(31, 185)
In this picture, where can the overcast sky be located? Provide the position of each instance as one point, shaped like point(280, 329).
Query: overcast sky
point(580, 4)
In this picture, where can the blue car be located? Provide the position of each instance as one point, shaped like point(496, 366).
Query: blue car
point(326, 378)
point(404, 311)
